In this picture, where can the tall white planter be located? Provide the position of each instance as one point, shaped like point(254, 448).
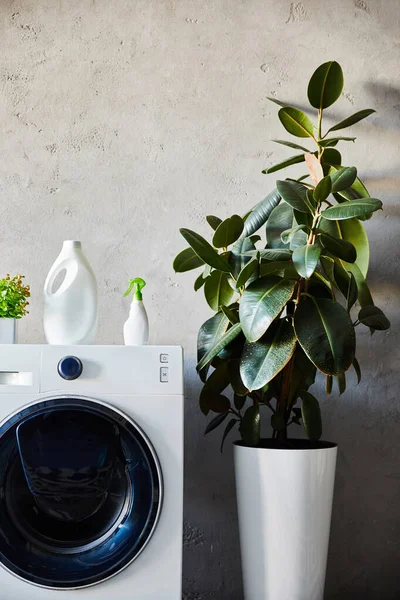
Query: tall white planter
point(284, 506)
point(8, 331)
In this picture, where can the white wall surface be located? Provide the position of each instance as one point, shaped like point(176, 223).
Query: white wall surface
point(122, 120)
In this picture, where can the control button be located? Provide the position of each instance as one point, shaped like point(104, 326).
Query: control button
point(164, 374)
point(164, 358)
point(70, 367)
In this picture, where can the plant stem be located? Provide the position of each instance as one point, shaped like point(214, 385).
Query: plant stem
point(319, 132)
point(285, 403)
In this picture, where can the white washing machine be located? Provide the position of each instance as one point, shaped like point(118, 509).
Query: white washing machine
point(91, 472)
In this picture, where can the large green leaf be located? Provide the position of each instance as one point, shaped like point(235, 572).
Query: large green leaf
point(350, 230)
point(353, 119)
point(260, 213)
point(209, 334)
point(288, 234)
point(219, 345)
point(331, 157)
point(228, 231)
point(278, 421)
point(326, 334)
point(360, 188)
point(231, 313)
point(355, 191)
point(323, 189)
point(210, 396)
point(247, 272)
point(364, 295)
point(281, 268)
point(303, 373)
point(262, 360)
point(270, 254)
point(213, 221)
point(311, 415)
point(205, 251)
point(333, 141)
point(276, 101)
point(343, 178)
point(250, 426)
point(357, 369)
point(230, 425)
point(199, 282)
point(296, 122)
point(328, 265)
point(236, 380)
point(352, 208)
point(325, 85)
point(294, 193)
point(336, 274)
point(291, 145)
point(218, 404)
point(352, 292)
point(341, 276)
point(238, 259)
point(217, 290)
point(293, 160)
point(261, 302)
point(186, 261)
point(305, 259)
point(216, 422)
point(341, 383)
point(300, 238)
point(319, 286)
point(233, 349)
point(339, 247)
point(373, 317)
point(239, 401)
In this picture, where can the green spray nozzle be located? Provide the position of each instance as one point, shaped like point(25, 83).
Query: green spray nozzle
point(136, 285)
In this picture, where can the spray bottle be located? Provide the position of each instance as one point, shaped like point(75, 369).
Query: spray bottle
point(136, 328)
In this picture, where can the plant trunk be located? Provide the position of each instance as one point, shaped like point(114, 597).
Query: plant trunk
point(283, 408)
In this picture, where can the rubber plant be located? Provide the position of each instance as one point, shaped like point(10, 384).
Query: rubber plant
point(287, 305)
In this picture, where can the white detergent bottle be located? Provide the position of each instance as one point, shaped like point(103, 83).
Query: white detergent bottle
point(136, 328)
point(70, 312)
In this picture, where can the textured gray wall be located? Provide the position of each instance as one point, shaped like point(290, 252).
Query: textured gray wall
point(124, 119)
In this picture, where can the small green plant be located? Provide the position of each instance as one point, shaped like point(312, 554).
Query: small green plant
point(13, 297)
point(284, 306)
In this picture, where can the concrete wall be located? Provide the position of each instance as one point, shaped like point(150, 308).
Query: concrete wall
point(122, 120)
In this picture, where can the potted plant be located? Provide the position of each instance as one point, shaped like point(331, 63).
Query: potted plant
point(13, 303)
point(286, 308)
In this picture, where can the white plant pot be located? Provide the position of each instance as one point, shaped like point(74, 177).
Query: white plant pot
point(284, 505)
point(8, 331)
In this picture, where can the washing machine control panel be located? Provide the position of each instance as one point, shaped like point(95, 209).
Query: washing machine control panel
point(70, 367)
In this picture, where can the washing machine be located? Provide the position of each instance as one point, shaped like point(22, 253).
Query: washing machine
point(91, 472)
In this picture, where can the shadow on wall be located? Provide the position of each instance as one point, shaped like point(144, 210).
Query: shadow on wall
point(388, 96)
point(364, 546)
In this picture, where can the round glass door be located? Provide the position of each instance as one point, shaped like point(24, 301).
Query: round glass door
point(80, 492)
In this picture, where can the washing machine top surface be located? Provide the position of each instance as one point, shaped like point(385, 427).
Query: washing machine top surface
point(139, 370)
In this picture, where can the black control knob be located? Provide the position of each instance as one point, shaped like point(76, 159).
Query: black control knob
point(70, 367)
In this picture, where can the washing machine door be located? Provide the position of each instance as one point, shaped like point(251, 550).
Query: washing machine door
point(80, 492)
